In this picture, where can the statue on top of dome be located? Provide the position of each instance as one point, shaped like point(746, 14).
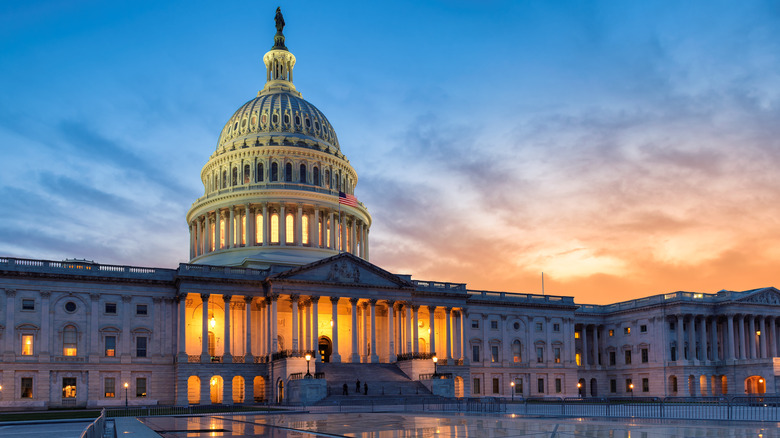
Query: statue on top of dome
point(279, 19)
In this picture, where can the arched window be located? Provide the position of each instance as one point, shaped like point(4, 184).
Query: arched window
point(517, 351)
point(316, 174)
point(234, 181)
point(259, 173)
point(305, 229)
point(319, 227)
point(327, 178)
point(69, 341)
point(259, 228)
point(289, 229)
point(327, 233)
point(224, 179)
point(275, 227)
point(288, 177)
point(274, 172)
point(302, 174)
point(338, 181)
point(247, 170)
point(221, 233)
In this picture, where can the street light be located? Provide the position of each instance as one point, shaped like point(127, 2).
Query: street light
point(579, 389)
point(308, 374)
point(631, 387)
point(126, 385)
point(435, 372)
point(512, 384)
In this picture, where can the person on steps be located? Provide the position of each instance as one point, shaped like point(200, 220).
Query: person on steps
point(365, 388)
point(344, 390)
point(357, 387)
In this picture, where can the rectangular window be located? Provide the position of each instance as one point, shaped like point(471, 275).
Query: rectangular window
point(643, 329)
point(475, 323)
point(109, 387)
point(494, 325)
point(645, 356)
point(494, 353)
point(611, 333)
point(141, 309)
point(27, 387)
point(576, 335)
point(496, 387)
point(140, 346)
point(613, 386)
point(540, 386)
point(110, 346)
point(476, 385)
point(110, 308)
point(475, 353)
point(628, 357)
point(518, 386)
point(612, 359)
point(578, 359)
point(558, 386)
point(140, 387)
point(645, 385)
point(557, 354)
point(674, 353)
point(68, 387)
point(27, 345)
point(674, 384)
point(556, 328)
point(539, 354)
point(539, 326)
point(28, 304)
point(626, 331)
point(671, 326)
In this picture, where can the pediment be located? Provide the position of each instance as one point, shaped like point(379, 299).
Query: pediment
point(768, 295)
point(343, 269)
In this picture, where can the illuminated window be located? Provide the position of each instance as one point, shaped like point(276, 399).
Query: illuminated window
point(578, 359)
point(288, 177)
point(289, 227)
point(576, 335)
point(626, 330)
point(243, 223)
point(27, 345)
point(316, 174)
point(110, 346)
point(212, 228)
point(274, 228)
point(327, 233)
point(140, 387)
point(494, 353)
point(302, 174)
point(27, 387)
point(247, 170)
point(557, 354)
point(338, 240)
point(517, 354)
point(221, 233)
point(259, 173)
point(259, 228)
point(109, 387)
point(305, 229)
point(69, 341)
point(68, 387)
point(611, 333)
point(319, 228)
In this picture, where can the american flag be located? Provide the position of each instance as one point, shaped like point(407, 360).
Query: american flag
point(347, 199)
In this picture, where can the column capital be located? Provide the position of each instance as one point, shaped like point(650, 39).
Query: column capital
point(10, 293)
point(415, 307)
point(248, 299)
point(315, 298)
point(157, 299)
point(335, 300)
point(432, 309)
point(372, 301)
point(294, 297)
point(390, 303)
point(226, 298)
point(204, 297)
point(354, 300)
point(448, 309)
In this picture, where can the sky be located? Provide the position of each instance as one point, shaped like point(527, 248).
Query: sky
point(624, 149)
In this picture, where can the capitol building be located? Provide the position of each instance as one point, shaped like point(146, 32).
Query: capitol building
point(280, 303)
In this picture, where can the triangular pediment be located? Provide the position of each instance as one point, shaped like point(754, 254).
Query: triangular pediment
point(768, 295)
point(343, 269)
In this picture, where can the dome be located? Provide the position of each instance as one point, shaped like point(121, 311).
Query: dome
point(282, 113)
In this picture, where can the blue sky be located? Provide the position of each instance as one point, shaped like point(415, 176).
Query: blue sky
point(623, 148)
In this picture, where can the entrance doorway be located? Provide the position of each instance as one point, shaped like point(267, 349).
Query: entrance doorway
point(325, 347)
point(755, 385)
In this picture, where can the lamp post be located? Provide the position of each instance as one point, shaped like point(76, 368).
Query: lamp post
point(126, 385)
point(512, 384)
point(579, 389)
point(308, 374)
point(631, 387)
point(435, 372)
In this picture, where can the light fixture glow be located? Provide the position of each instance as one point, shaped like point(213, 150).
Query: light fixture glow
point(213, 322)
point(126, 385)
point(331, 323)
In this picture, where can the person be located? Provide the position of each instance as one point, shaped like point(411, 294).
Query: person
point(345, 390)
point(365, 388)
point(357, 386)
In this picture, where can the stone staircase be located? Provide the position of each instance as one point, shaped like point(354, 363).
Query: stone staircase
point(384, 381)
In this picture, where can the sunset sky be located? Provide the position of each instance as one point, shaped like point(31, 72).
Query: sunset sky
point(624, 149)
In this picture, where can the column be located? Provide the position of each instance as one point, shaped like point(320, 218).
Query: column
point(282, 226)
point(390, 332)
point(230, 232)
point(332, 221)
point(703, 338)
point(181, 343)
point(352, 235)
point(266, 225)
point(730, 350)
point(463, 321)
point(692, 338)
point(584, 334)
point(752, 337)
point(343, 220)
point(218, 230)
point(355, 357)
point(680, 341)
point(204, 334)
point(249, 357)
point(597, 341)
point(773, 336)
point(227, 357)
point(366, 257)
point(367, 345)
point(448, 316)
point(374, 356)
point(309, 346)
point(432, 325)
point(415, 330)
point(408, 321)
point(294, 301)
point(273, 344)
point(741, 343)
point(192, 240)
point(10, 328)
point(315, 333)
point(207, 236)
point(714, 338)
point(336, 357)
point(299, 226)
point(251, 221)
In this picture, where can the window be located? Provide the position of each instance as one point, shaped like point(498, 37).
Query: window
point(516, 325)
point(475, 323)
point(540, 386)
point(556, 328)
point(674, 383)
point(259, 228)
point(69, 341)
point(68, 387)
point(289, 224)
point(27, 345)
point(224, 179)
point(247, 171)
point(539, 354)
point(517, 351)
point(327, 178)
point(612, 358)
point(316, 174)
point(643, 328)
point(628, 357)
point(518, 386)
point(110, 308)
point(629, 386)
point(140, 346)
point(626, 331)
point(234, 180)
point(671, 326)
point(28, 304)
point(645, 356)
point(302, 174)
point(288, 172)
point(110, 346)
point(109, 387)
point(70, 307)
point(475, 353)
point(539, 326)
point(576, 335)
point(494, 325)
point(557, 354)
point(578, 359)
point(494, 353)
point(140, 387)
point(27, 387)
point(558, 386)
point(613, 386)
point(673, 353)
point(496, 387)
point(259, 173)
point(274, 172)
point(476, 385)
point(611, 333)
point(274, 228)
point(645, 385)
point(141, 309)
point(305, 229)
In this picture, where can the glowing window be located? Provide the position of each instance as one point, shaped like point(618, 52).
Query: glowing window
point(517, 354)
point(140, 387)
point(27, 387)
point(109, 387)
point(247, 170)
point(221, 233)
point(327, 233)
point(69, 341)
point(211, 234)
point(244, 223)
point(576, 335)
point(27, 345)
point(110, 346)
point(319, 228)
point(289, 228)
point(259, 228)
point(305, 229)
point(68, 387)
point(274, 228)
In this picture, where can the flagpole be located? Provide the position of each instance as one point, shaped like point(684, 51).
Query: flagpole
point(542, 283)
point(338, 238)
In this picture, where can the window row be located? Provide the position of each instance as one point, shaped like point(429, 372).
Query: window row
point(515, 386)
point(300, 123)
point(28, 304)
point(249, 174)
point(517, 353)
point(539, 326)
point(70, 343)
point(612, 357)
point(70, 387)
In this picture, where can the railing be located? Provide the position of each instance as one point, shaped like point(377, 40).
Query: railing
point(261, 359)
point(193, 358)
point(80, 267)
point(435, 285)
point(216, 359)
point(276, 185)
point(431, 376)
point(152, 411)
point(458, 362)
point(284, 354)
point(412, 356)
point(299, 376)
point(239, 359)
point(518, 297)
point(186, 268)
point(412, 404)
point(96, 429)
